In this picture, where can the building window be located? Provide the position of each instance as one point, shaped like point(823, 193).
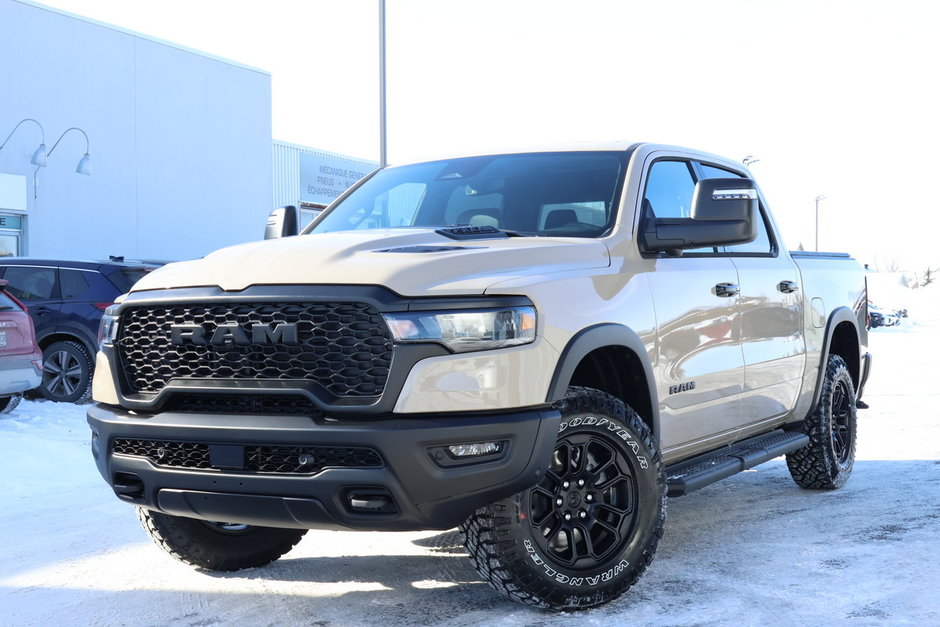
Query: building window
point(11, 232)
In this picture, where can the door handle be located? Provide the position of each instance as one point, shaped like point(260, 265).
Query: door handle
point(726, 290)
point(787, 287)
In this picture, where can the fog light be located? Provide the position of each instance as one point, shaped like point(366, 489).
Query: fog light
point(95, 445)
point(476, 449)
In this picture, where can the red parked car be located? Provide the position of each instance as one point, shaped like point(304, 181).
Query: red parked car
point(20, 355)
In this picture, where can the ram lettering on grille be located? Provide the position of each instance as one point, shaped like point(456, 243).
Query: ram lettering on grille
point(344, 347)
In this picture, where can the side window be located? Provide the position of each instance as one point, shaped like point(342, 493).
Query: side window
point(31, 283)
point(396, 207)
point(762, 243)
point(72, 283)
point(669, 189)
point(711, 172)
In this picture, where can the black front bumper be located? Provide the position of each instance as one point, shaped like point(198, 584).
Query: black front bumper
point(415, 485)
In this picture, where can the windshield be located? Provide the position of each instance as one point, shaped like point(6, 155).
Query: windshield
point(570, 194)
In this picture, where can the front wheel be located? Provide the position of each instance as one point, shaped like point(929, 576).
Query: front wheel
point(826, 462)
point(217, 546)
point(586, 532)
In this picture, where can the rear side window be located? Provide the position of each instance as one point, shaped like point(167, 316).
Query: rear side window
point(31, 283)
point(7, 303)
point(124, 278)
point(73, 282)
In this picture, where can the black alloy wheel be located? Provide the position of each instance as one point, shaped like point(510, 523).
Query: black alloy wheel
point(584, 509)
point(826, 462)
point(842, 436)
point(589, 528)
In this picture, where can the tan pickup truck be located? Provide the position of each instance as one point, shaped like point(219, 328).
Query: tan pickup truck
point(538, 347)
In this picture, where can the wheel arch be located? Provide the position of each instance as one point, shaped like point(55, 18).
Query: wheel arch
point(613, 359)
point(59, 336)
point(842, 339)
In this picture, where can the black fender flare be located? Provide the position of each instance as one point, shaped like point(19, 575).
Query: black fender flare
point(74, 333)
point(837, 317)
point(602, 336)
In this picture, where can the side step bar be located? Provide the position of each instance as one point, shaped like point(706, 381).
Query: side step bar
point(698, 472)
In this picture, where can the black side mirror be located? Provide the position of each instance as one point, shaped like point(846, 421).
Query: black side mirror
point(724, 212)
point(282, 222)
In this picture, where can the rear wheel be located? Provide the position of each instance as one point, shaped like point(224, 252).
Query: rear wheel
point(221, 546)
point(826, 462)
point(587, 531)
point(66, 372)
point(9, 403)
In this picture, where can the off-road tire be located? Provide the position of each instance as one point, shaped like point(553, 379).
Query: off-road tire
point(217, 546)
point(67, 372)
point(9, 403)
point(826, 462)
point(591, 559)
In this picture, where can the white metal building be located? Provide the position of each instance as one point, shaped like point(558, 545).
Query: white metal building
point(178, 142)
point(311, 179)
point(151, 150)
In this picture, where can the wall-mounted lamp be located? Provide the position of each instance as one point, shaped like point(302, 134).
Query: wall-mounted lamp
point(39, 156)
point(84, 166)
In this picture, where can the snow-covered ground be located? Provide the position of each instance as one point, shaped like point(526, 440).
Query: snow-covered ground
point(751, 550)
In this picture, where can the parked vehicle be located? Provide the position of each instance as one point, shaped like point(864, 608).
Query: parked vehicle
point(66, 300)
point(538, 347)
point(883, 317)
point(20, 356)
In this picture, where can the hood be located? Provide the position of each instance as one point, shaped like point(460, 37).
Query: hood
point(411, 262)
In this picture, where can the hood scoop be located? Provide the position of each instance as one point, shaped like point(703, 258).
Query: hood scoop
point(426, 249)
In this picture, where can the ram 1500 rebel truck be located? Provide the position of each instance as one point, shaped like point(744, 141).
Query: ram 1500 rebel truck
point(538, 347)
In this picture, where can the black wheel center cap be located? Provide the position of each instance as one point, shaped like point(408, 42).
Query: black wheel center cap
point(574, 499)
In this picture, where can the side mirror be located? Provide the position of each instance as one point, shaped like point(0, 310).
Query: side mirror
point(282, 222)
point(724, 212)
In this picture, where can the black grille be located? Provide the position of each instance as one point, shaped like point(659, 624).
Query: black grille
point(163, 453)
point(242, 404)
point(257, 458)
point(291, 459)
point(345, 347)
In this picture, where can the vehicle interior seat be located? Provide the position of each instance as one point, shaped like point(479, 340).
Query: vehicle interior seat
point(480, 217)
point(559, 218)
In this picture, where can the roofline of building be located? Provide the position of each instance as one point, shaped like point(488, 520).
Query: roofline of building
point(327, 153)
point(150, 38)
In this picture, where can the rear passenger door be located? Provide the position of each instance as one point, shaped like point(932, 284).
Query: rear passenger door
point(770, 308)
point(37, 287)
point(701, 367)
point(85, 296)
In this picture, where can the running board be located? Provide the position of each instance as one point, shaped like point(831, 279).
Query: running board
point(698, 472)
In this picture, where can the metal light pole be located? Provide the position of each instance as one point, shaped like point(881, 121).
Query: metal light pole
point(383, 155)
point(818, 198)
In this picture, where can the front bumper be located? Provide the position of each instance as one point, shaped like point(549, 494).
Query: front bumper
point(422, 489)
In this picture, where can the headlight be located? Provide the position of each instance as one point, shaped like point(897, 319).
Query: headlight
point(107, 330)
point(464, 331)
